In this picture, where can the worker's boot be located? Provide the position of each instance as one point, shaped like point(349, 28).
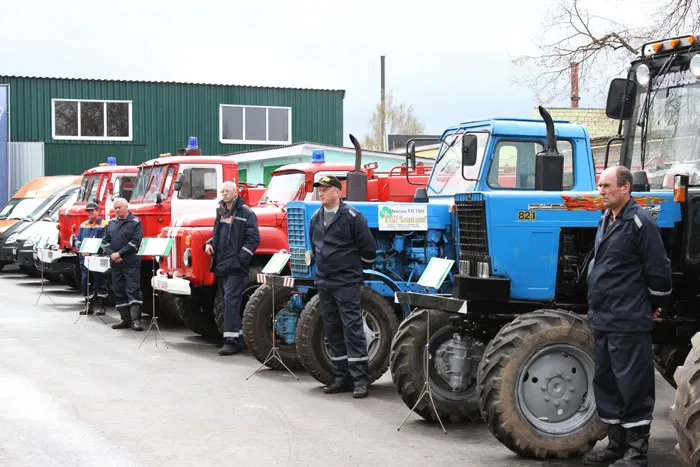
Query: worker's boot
point(637, 447)
point(612, 452)
point(125, 322)
point(136, 318)
point(101, 310)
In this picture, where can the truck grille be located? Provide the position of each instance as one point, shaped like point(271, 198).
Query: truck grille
point(296, 232)
point(471, 216)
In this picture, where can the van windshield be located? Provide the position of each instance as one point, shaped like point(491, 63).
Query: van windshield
point(7, 210)
point(25, 207)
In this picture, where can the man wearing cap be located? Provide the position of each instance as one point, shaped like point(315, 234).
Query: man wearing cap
point(121, 242)
point(232, 246)
point(341, 247)
point(94, 227)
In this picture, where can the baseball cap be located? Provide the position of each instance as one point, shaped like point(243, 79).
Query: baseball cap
point(91, 205)
point(329, 180)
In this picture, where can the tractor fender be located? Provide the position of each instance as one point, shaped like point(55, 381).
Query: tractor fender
point(386, 284)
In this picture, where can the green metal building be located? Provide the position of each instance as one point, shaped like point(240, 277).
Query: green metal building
point(77, 123)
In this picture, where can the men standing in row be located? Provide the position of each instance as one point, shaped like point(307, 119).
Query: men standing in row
point(94, 227)
point(629, 280)
point(342, 245)
point(121, 242)
point(232, 246)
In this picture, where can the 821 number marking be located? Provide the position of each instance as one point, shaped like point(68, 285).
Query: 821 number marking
point(527, 215)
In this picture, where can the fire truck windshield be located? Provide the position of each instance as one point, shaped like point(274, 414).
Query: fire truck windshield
point(446, 178)
point(148, 183)
point(672, 130)
point(283, 187)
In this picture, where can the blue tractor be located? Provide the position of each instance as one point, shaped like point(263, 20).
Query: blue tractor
point(512, 341)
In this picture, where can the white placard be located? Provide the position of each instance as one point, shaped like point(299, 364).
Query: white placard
point(436, 272)
point(90, 245)
point(276, 263)
point(153, 246)
point(402, 217)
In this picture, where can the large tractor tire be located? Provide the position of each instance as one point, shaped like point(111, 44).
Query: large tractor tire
point(685, 412)
point(198, 317)
point(449, 357)
point(257, 327)
point(667, 358)
point(380, 327)
point(535, 386)
point(249, 287)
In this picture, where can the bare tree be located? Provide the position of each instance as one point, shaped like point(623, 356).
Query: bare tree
point(602, 47)
point(400, 120)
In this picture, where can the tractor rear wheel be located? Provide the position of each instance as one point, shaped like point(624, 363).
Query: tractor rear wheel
point(257, 327)
point(455, 400)
point(535, 386)
point(380, 327)
point(685, 412)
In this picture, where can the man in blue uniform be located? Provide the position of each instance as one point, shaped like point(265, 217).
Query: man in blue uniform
point(342, 245)
point(232, 246)
point(94, 227)
point(629, 280)
point(121, 242)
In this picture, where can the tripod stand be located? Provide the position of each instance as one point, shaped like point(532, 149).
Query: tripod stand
point(87, 299)
point(426, 391)
point(274, 351)
point(154, 318)
point(42, 258)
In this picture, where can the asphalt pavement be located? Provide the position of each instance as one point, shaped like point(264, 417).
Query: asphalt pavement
point(82, 394)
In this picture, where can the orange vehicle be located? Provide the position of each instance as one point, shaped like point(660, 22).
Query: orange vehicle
point(184, 275)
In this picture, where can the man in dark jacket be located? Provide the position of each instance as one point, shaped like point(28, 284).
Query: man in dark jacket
point(121, 242)
point(628, 279)
point(94, 227)
point(232, 247)
point(342, 245)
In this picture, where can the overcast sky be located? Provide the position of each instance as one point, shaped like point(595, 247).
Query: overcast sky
point(451, 60)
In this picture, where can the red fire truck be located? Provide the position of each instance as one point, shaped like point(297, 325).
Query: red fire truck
point(184, 280)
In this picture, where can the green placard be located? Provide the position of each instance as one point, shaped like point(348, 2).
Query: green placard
point(436, 272)
point(90, 245)
point(155, 246)
point(276, 263)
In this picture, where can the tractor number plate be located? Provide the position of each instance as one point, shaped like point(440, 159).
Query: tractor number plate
point(527, 215)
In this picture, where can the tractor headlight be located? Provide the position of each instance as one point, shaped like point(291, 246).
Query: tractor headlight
point(642, 74)
point(307, 257)
point(187, 257)
point(695, 66)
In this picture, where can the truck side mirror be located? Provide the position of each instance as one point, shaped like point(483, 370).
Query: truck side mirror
point(159, 198)
point(178, 181)
point(621, 99)
point(469, 150)
point(411, 155)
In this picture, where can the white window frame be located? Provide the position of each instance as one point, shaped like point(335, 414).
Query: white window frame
point(267, 125)
point(92, 138)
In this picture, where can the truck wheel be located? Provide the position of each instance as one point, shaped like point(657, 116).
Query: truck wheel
point(250, 286)
point(168, 307)
point(53, 277)
point(685, 411)
point(535, 386)
point(257, 327)
point(197, 317)
point(453, 388)
point(2, 265)
point(380, 327)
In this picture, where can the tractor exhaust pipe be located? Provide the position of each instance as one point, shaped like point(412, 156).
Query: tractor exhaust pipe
point(357, 179)
point(549, 164)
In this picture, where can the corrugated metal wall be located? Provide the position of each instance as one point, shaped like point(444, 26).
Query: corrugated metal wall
point(26, 162)
point(164, 115)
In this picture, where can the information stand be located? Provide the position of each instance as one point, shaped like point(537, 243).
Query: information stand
point(433, 277)
point(43, 252)
point(152, 246)
point(91, 246)
point(270, 275)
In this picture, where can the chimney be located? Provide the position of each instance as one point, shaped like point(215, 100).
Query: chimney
point(574, 86)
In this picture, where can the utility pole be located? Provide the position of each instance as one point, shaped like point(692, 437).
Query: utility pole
point(383, 109)
point(574, 86)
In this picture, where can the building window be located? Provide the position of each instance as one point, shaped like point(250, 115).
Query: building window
point(92, 120)
point(255, 125)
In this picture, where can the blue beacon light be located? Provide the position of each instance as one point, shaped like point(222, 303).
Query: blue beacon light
point(318, 155)
point(111, 161)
